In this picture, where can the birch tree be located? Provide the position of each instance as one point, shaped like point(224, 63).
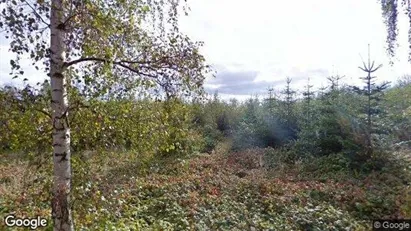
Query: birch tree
point(98, 44)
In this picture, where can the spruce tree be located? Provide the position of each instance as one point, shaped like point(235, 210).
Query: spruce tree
point(287, 116)
point(373, 94)
point(308, 95)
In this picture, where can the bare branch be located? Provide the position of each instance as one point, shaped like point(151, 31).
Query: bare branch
point(35, 12)
point(375, 69)
point(74, 15)
point(118, 63)
point(69, 18)
point(68, 64)
point(94, 59)
point(44, 112)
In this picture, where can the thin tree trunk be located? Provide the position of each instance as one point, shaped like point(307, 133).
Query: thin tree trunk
point(369, 125)
point(61, 213)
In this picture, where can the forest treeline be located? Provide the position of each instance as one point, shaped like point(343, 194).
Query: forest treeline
point(360, 122)
point(291, 160)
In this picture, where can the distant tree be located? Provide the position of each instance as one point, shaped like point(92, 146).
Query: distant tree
point(335, 81)
point(223, 121)
point(327, 128)
point(216, 97)
point(307, 142)
point(248, 131)
point(288, 116)
point(308, 95)
point(269, 102)
point(329, 110)
point(289, 98)
point(321, 92)
point(233, 102)
point(404, 80)
point(251, 110)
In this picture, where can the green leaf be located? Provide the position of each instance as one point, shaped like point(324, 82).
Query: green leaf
point(145, 9)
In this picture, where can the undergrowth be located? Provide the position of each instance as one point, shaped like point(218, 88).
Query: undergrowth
point(244, 190)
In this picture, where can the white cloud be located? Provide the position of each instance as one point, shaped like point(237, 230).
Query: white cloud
point(284, 38)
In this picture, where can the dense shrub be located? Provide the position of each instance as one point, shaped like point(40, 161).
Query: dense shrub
point(142, 125)
point(24, 123)
point(205, 192)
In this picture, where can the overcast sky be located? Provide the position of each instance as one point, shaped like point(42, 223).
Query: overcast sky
point(256, 44)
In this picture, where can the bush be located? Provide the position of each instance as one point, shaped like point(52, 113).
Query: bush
point(332, 166)
point(223, 123)
point(246, 136)
point(323, 217)
point(211, 138)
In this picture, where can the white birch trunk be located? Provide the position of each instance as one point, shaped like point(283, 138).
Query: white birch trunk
point(61, 213)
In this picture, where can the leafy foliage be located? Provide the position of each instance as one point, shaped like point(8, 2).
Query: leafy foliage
point(390, 10)
point(205, 192)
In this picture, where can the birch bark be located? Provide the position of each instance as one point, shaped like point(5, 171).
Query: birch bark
point(61, 213)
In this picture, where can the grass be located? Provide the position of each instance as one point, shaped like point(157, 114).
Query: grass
point(222, 191)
